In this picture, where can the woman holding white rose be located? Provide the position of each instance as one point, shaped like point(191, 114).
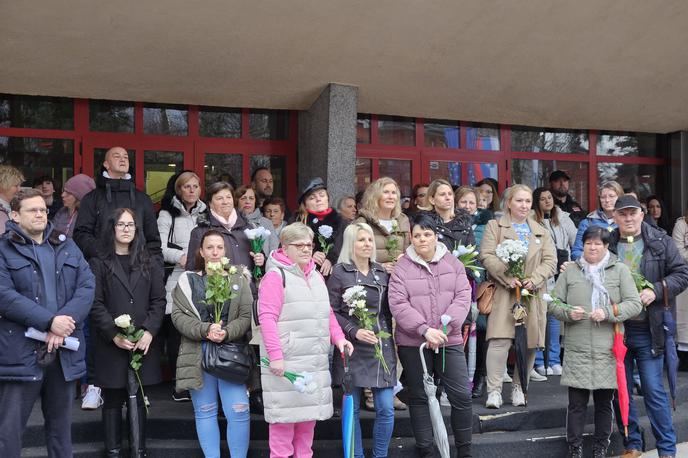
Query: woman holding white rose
point(539, 264)
point(327, 226)
point(195, 320)
point(128, 282)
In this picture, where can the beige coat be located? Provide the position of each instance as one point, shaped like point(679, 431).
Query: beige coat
point(541, 262)
point(402, 234)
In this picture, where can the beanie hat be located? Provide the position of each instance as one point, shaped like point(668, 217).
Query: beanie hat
point(79, 185)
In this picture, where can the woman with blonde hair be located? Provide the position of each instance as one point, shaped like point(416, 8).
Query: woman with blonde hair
point(357, 267)
point(381, 209)
point(603, 216)
point(10, 181)
point(539, 265)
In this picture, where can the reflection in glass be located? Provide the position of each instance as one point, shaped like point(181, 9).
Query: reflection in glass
point(36, 157)
point(396, 130)
point(165, 120)
point(363, 128)
point(480, 171)
point(223, 167)
point(36, 112)
point(99, 157)
point(639, 178)
point(450, 171)
point(535, 173)
point(109, 116)
point(268, 124)
point(441, 134)
point(159, 166)
point(557, 141)
point(277, 166)
point(399, 170)
point(483, 137)
point(220, 122)
point(629, 144)
point(364, 173)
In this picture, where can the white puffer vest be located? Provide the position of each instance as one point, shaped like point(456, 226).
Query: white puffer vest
point(304, 331)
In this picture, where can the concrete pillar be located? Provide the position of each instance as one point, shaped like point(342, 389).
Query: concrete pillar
point(677, 195)
point(327, 140)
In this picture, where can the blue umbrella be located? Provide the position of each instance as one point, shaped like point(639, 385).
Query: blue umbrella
point(347, 410)
point(670, 354)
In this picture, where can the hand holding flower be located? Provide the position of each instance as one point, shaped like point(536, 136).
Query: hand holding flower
point(144, 342)
point(366, 336)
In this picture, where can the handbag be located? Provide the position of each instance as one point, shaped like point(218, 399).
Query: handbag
point(484, 296)
point(229, 361)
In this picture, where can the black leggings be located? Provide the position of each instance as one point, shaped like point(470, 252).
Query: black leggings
point(455, 383)
point(114, 398)
point(578, 407)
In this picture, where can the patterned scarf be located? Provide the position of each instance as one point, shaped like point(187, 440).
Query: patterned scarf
point(594, 273)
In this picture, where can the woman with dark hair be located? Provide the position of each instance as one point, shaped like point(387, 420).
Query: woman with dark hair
point(223, 217)
point(453, 225)
point(180, 208)
point(327, 226)
point(419, 201)
point(488, 190)
point(563, 232)
point(598, 291)
point(428, 283)
point(129, 282)
point(657, 213)
point(194, 319)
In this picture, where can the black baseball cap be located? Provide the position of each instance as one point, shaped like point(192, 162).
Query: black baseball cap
point(558, 174)
point(627, 201)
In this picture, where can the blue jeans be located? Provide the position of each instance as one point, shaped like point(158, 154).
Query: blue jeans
point(553, 344)
point(235, 406)
point(384, 421)
point(651, 369)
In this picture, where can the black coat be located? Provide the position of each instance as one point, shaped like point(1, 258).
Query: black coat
point(458, 231)
point(237, 245)
point(337, 224)
point(661, 261)
point(140, 296)
point(366, 370)
point(97, 206)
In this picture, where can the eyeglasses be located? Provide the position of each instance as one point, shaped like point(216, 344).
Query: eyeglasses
point(302, 246)
point(123, 226)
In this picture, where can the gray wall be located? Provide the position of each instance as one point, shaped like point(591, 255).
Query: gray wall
point(677, 195)
point(327, 140)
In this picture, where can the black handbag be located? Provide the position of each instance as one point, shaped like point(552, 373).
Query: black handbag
point(229, 361)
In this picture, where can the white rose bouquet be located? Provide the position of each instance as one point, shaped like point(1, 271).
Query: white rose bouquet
point(218, 289)
point(257, 238)
point(468, 255)
point(513, 254)
point(355, 298)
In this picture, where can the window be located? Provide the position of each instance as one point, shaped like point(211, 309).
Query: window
point(627, 144)
point(400, 171)
point(441, 134)
point(223, 167)
point(159, 166)
point(639, 178)
point(108, 116)
point(364, 173)
point(165, 120)
point(450, 171)
point(36, 112)
point(557, 141)
point(363, 129)
point(535, 173)
point(268, 124)
point(395, 130)
point(37, 157)
point(220, 122)
point(482, 136)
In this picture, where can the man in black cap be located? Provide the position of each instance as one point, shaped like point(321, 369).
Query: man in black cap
point(559, 185)
point(650, 252)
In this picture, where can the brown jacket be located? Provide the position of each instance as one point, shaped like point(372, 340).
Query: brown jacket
point(541, 262)
point(402, 234)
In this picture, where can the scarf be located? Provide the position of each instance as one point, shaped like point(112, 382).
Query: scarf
point(594, 273)
point(227, 223)
point(321, 215)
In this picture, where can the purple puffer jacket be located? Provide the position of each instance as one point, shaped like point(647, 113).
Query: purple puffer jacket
point(421, 292)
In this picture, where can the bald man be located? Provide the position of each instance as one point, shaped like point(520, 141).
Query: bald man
point(114, 189)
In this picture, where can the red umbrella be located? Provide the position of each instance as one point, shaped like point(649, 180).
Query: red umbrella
point(619, 349)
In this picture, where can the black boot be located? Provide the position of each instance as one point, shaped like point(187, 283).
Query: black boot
point(255, 401)
point(479, 387)
point(141, 452)
point(112, 425)
point(575, 451)
point(426, 452)
point(599, 451)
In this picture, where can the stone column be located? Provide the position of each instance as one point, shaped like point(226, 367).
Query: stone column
point(676, 195)
point(327, 140)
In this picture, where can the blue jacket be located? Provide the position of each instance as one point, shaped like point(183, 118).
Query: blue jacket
point(25, 303)
point(595, 218)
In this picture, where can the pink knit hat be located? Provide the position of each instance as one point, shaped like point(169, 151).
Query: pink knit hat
point(79, 185)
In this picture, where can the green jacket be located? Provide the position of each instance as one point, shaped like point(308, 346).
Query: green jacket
point(589, 362)
point(187, 320)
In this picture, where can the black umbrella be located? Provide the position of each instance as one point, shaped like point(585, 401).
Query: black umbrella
point(132, 411)
point(521, 342)
point(670, 354)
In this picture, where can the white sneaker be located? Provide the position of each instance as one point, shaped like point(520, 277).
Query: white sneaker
point(494, 400)
point(541, 370)
point(549, 371)
point(92, 399)
point(517, 397)
point(556, 369)
point(536, 377)
point(444, 400)
point(507, 378)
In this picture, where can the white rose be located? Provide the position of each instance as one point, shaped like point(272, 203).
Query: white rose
point(224, 260)
point(232, 270)
point(326, 231)
point(123, 321)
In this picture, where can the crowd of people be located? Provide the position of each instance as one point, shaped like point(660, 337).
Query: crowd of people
point(94, 285)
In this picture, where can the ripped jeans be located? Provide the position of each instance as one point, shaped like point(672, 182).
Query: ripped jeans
point(235, 406)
